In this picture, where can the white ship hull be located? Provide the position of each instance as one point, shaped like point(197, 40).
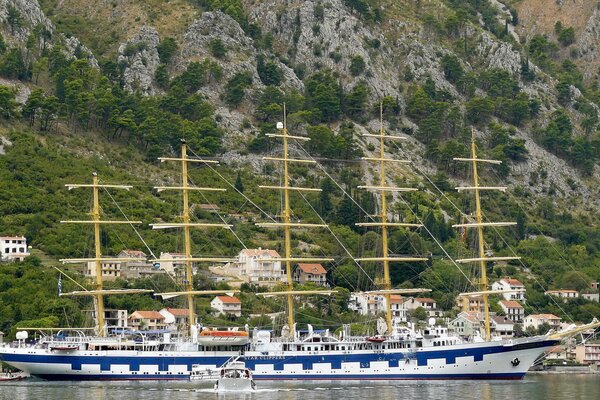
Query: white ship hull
point(488, 360)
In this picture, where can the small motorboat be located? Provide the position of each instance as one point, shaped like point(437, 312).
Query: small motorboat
point(376, 339)
point(12, 376)
point(203, 373)
point(235, 377)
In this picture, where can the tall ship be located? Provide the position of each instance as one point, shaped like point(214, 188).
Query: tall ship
point(396, 352)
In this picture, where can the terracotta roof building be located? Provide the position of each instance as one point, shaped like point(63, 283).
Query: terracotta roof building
point(314, 273)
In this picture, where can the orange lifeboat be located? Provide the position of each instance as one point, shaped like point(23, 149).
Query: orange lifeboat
point(210, 337)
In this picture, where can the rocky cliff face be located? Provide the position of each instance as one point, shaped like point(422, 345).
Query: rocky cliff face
point(31, 15)
point(139, 56)
point(315, 34)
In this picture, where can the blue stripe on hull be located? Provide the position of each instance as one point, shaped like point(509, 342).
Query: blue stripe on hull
point(322, 377)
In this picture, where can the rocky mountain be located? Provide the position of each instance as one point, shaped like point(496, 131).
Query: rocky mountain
point(375, 50)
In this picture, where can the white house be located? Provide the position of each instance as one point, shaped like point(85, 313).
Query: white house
point(13, 248)
point(513, 310)
point(258, 266)
point(146, 320)
point(536, 320)
point(175, 318)
point(372, 304)
point(172, 264)
point(502, 326)
point(412, 303)
point(366, 304)
point(591, 296)
point(510, 284)
point(228, 305)
point(466, 324)
point(314, 273)
point(563, 293)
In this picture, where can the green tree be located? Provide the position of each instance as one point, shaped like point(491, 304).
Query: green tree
point(235, 90)
point(357, 65)
point(166, 49)
point(218, 49)
point(355, 102)
point(268, 72)
point(453, 70)
point(323, 94)
point(479, 110)
point(8, 104)
point(14, 19)
point(239, 185)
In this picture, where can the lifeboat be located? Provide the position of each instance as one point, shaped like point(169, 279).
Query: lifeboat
point(210, 337)
point(376, 339)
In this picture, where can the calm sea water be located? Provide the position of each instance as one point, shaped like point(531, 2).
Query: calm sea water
point(534, 387)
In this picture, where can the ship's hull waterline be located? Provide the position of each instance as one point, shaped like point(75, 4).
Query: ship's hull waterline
point(491, 360)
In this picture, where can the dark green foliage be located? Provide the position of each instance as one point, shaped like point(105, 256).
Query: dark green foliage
point(234, 8)
point(166, 49)
point(218, 49)
point(235, 90)
point(162, 76)
point(134, 48)
point(268, 71)
point(355, 102)
point(14, 19)
point(327, 144)
point(12, 65)
point(357, 65)
point(479, 110)
point(8, 105)
point(453, 71)
point(498, 83)
point(3, 46)
point(239, 185)
point(566, 36)
point(323, 94)
point(368, 9)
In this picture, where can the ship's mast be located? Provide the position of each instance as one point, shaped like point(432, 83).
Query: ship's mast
point(287, 223)
point(383, 190)
point(99, 291)
point(479, 225)
point(186, 224)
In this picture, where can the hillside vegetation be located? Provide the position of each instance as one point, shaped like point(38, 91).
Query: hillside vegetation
point(88, 88)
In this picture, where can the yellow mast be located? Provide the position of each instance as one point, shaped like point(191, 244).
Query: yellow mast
point(479, 225)
point(384, 224)
point(287, 224)
point(99, 291)
point(96, 218)
point(186, 224)
point(482, 264)
point(286, 220)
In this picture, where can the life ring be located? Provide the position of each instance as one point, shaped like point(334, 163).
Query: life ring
point(515, 362)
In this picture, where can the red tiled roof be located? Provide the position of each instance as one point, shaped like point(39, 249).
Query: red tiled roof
point(260, 253)
point(13, 237)
point(147, 315)
point(181, 312)
point(395, 298)
point(315, 269)
point(134, 253)
point(510, 304)
point(544, 316)
point(513, 282)
point(229, 299)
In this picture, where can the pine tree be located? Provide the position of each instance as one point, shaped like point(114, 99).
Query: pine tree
point(239, 185)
